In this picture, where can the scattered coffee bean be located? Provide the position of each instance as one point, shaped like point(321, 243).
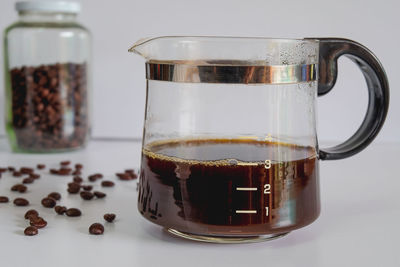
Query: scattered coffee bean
point(26, 170)
point(86, 195)
point(3, 199)
point(40, 166)
point(64, 171)
point(28, 180)
point(74, 188)
point(22, 188)
point(17, 174)
point(73, 212)
point(109, 217)
point(19, 188)
point(60, 209)
point(78, 179)
point(11, 169)
point(130, 171)
point(107, 183)
point(3, 170)
point(87, 187)
point(48, 202)
point(65, 163)
point(31, 230)
point(123, 176)
point(54, 171)
point(21, 202)
point(30, 214)
point(55, 196)
point(95, 177)
point(96, 229)
point(38, 222)
point(34, 176)
point(76, 172)
point(99, 194)
point(127, 175)
point(78, 166)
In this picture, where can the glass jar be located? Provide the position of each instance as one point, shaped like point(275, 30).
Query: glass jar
point(47, 78)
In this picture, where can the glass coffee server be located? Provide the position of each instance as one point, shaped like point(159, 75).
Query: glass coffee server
point(230, 151)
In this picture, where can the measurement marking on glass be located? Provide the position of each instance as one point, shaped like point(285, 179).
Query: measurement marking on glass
point(246, 211)
point(246, 188)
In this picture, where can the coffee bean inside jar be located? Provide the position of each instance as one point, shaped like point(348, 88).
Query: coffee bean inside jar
point(49, 109)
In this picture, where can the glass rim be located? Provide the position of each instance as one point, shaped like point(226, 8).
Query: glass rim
point(216, 37)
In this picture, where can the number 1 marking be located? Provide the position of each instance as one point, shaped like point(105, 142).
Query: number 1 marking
point(266, 211)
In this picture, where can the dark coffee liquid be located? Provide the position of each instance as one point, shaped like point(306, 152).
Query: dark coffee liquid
point(229, 187)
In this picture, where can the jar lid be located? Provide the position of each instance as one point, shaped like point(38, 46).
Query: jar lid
point(48, 6)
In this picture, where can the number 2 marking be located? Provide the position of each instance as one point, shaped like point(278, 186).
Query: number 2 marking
point(267, 189)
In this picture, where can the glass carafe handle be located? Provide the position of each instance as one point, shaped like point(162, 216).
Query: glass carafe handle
point(378, 92)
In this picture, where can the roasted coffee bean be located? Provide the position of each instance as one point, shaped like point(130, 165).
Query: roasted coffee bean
point(87, 187)
point(31, 213)
point(73, 212)
point(107, 183)
point(76, 172)
point(78, 166)
point(95, 176)
point(22, 188)
point(65, 163)
point(40, 166)
point(78, 179)
point(15, 187)
point(123, 176)
point(34, 176)
point(74, 188)
point(41, 98)
point(38, 222)
point(11, 169)
point(26, 170)
point(96, 229)
point(17, 174)
point(54, 171)
point(55, 195)
point(109, 217)
point(130, 171)
point(60, 209)
point(64, 171)
point(48, 202)
point(86, 195)
point(126, 176)
point(21, 202)
point(3, 199)
point(19, 188)
point(28, 180)
point(31, 230)
point(3, 170)
point(99, 194)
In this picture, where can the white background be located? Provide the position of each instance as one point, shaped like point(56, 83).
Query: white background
point(119, 80)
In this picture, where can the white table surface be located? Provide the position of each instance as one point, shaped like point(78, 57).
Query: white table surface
point(359, 224)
